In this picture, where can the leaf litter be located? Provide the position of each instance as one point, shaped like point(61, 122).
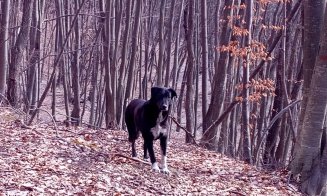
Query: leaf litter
point(81, 161)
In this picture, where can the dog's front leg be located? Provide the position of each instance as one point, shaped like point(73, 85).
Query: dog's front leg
point(133, 149)
point(163, 145)
point(149, 145)
point(145, 148)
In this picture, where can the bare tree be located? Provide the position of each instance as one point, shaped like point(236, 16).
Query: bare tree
point(169, 42)
point(132, 63)
point(311, 156)
point(5, 5)
point(204, 47)
point(17, 53)
point(161, 43)
point(75, 115)
point(189, 109)
point(32, 84)
point(219, 82)
point(245, 92)
point(121, 86)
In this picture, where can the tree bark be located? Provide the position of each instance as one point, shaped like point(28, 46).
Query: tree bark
point(312, 20)
point(247, 151)
point(32, 88)
point(161, 43)
point(17, 53)
point(311, 156)
point(169, 42)
point(132, 63)
point(176, 59)
point(204, 68)
point(121, 86)
point(76, 111)
point(189, 109)
point(273, 132)
point(4, 45)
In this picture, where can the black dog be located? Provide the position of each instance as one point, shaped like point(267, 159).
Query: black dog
point(150, 118)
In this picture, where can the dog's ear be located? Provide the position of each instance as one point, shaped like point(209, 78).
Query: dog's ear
point(173, 92)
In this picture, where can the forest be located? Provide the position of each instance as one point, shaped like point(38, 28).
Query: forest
point(250, 78)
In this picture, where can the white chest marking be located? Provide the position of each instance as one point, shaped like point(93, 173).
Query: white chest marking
point(157, 130)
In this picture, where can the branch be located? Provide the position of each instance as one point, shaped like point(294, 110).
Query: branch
point(272, 122)
point(171, 168)
point(130, 158)
point(184, 129)
point(53, 120)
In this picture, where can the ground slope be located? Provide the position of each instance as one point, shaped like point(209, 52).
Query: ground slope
point(80, 161)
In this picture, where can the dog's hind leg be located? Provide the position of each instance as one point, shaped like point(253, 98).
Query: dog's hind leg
point(163, 146)
point(133, 133)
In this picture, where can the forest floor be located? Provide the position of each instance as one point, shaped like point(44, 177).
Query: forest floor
point(42, 160)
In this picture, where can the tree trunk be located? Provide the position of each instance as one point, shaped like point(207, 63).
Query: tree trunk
point(189, 109)
point(17, 53)
point(311, 156)
point(312, 20)
point(132, 63)
point(35, 49)
point(161, 43)
point(76, 111)
point(5, 4)
point(109, 70)
point(176, 60)
point(247, 152)
point(121, 88)
point(219, 83)
point(169, 42)
point(273, 132)
point(204, 46)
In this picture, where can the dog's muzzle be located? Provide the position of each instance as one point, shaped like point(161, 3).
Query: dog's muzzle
point(164, 108)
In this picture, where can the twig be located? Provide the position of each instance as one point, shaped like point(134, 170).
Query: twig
point(22, 124)
point(172, 170)
point(238, 193)
point(184, 129)
point(53, 120)
point(225, 190)
point(127, 157)
point(2, 96)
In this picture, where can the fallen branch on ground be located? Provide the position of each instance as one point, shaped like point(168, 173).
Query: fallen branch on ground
point(172, 170)
point(130, 158)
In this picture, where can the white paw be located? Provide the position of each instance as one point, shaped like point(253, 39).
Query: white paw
point(165, 170)
point(155, 167)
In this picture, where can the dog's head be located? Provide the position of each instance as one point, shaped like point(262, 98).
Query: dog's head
point(162, 97)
